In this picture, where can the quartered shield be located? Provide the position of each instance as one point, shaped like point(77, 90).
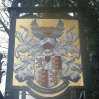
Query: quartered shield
point(48, 70)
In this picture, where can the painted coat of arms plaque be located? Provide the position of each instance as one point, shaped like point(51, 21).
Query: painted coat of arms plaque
point(47, 56)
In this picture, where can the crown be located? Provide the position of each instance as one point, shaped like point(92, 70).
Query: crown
point(47, 30)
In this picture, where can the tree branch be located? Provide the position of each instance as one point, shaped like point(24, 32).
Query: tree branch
point(5, 27)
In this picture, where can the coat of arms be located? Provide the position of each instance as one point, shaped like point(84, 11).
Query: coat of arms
point(47, 57)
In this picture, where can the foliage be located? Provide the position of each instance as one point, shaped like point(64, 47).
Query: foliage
point(92, 33)
point(91, 25)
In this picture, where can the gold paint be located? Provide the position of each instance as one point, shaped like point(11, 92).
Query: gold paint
point(47, 23)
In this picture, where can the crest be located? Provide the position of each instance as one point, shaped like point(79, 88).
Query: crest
point(51, 59)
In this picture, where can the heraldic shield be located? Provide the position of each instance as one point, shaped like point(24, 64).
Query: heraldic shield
point(48, 70)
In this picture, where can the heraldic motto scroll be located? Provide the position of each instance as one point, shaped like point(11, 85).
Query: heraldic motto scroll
point(47, 56)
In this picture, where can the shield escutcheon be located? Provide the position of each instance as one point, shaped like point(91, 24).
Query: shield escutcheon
point(48, 70)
